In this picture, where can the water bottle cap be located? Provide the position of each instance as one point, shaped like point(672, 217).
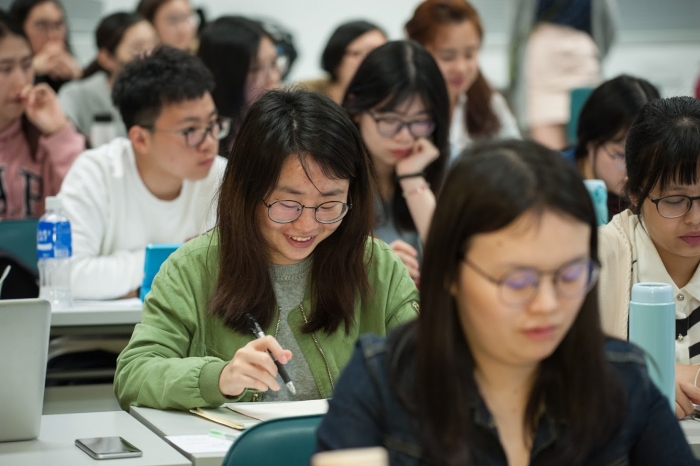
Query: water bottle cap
point(103, 118)
point(652, 293)
point(53, 203)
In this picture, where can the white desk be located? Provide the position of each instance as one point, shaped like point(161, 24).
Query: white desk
point(166, 423)
point(99, 313)
point(691, 428)
point(56, 444)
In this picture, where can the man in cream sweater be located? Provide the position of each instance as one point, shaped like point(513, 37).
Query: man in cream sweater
point(158, 186)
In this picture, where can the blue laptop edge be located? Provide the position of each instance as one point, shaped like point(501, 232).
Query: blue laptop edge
point(156, 254)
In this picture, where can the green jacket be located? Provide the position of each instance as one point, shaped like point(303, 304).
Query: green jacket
point(177, 352)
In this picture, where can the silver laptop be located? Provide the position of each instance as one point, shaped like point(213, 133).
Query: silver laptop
point(24, 340)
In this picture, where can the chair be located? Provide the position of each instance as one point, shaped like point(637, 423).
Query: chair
point(18, 250)
point(18, 238)
point(579, 96)
point(280, 442)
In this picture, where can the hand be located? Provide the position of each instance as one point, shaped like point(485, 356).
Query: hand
point(66, 67)
point(43, 110)
point(252, 367)
point(45, 61)
point(686, 391)
point(409, 257)
point(423, 154)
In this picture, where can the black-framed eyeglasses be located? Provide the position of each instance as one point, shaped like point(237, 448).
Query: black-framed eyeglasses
point(519, 286)
point(391, 126)
point(194, 136)
point(286, 211)
point(674, 206)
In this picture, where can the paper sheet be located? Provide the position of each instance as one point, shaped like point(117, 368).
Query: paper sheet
point(131, 303)
point(200, 443)
point(279, 409)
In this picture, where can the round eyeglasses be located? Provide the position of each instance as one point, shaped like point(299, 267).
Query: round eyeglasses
point(286, 211)
point(195, 135)
point(391, 126)
point(519, 286)
point(673, 206)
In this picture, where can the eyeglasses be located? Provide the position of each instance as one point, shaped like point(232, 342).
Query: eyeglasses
point(177, 20)
point(618, 157)
point(286, 211)
point(391, 126)
point(47, 26)
point(673, 206)
point(519, 286)
point(279, 65)
point(195, 136)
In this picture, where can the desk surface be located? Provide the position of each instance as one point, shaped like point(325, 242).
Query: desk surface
point(97, 313)
point(691, 428)
point(56, 443)
point(166, 423)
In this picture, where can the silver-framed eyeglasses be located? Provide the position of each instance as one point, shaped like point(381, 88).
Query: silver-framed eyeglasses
point(286, 211)
point(673, 206)
point(195, 135)
point(519, 286)
point(391, 126)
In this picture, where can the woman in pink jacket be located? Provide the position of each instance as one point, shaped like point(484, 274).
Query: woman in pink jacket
point(37, 143)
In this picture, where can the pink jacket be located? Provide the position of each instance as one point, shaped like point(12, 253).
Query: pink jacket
point(25, 182)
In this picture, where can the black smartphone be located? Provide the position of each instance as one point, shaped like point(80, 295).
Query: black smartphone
point(102, 448)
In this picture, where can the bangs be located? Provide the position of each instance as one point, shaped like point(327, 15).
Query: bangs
point(675, 159)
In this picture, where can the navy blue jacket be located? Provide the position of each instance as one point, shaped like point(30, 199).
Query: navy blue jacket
point(365, 412)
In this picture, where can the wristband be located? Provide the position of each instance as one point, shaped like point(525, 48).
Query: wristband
point(410, 175)
point(417, 190)
point(696, 378)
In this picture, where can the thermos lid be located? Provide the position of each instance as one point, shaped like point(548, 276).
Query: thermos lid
point(652, 293)
point(103, 118)
point(53, 203)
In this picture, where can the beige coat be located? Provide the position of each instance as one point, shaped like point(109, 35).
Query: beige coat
point(615, 250)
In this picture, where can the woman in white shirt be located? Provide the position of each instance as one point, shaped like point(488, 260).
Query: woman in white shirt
point(658, 238)
point(452, 32)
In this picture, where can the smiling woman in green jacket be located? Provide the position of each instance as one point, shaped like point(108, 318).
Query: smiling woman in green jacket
point(293, 248)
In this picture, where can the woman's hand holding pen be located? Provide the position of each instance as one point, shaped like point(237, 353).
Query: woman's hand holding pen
point(252, 367)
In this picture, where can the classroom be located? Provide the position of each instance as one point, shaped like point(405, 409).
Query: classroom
point(424, 232)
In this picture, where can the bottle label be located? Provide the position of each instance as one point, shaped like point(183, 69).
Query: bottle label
point(53, 240)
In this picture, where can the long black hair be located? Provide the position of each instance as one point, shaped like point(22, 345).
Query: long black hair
point(663, 147)
point(611, 109)
point(109, 34)
point(487, 189)
point(228, 46)
point(337, 44)
point(391, 75)
point(311, 127)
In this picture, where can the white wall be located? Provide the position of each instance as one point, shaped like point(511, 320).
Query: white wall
point(671, 64)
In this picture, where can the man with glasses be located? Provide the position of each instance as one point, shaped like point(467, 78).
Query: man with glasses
point(157, 186)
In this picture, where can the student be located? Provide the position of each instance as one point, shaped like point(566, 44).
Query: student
point(451, 30)
point(157, 186)
point(174, 21)
point(252, 65)
point(37, 143)
point(507, 363)
point(555, 47)
point(120, 38)
point(292, 249)
point(602, 131)
point(658, 238)
point(44, 23)
point(347, 47)
point(399, 102)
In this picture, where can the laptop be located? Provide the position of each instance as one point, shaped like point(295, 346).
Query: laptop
point(24, 341)
point(156, 254)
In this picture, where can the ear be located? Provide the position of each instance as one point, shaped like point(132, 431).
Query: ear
point(140, 139)
point(106, 60)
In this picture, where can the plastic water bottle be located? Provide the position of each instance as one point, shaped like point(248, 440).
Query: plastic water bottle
point(652, 326)
point(54, 250)
point(599, 195)
point(102, 129)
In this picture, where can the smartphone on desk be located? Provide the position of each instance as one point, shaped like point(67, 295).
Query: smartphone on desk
point(102, 448)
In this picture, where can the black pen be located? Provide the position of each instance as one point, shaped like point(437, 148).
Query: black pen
point(257, 331)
